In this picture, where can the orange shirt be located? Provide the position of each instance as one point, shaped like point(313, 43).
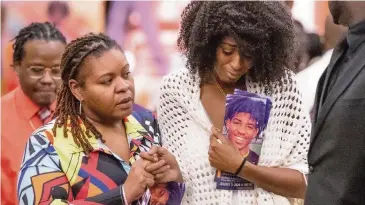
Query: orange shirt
point(9, 77)
point(18, 120)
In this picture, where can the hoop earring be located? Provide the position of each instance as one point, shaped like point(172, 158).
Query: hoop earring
point(80, 108)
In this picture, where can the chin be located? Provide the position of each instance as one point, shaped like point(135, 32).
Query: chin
point(124, 113)
point(44, 102)
point(230, 80)
point(45, 98)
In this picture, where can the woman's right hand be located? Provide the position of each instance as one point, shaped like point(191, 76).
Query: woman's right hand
point(139, 179)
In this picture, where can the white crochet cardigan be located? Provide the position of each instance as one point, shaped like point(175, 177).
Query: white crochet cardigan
point(186, 127)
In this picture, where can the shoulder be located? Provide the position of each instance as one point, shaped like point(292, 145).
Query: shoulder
point(8, 100)
point(45, 133)
point(182, 74)
point(179, 79)
point(39, 143)
point(290, 83)
point(288, 86)
point(179, 84)
point(8, 109)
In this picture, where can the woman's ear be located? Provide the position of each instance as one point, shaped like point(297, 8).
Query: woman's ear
point(75, 88)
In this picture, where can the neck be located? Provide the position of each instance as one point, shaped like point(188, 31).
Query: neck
point(239, 84)
point(117, 125)
point(357, 15)
point(244, 151)
point(224, 84)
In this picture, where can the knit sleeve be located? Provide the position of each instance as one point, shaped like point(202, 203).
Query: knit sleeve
point(301, 127)
point(172, 119)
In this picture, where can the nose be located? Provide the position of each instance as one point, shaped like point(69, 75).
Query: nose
point(236, 62)
point(242, 130)
point(122, 85)
point(47, 78)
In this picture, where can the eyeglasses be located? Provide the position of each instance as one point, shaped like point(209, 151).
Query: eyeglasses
point(37, 72)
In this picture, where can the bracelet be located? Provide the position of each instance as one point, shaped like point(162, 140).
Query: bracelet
point(122, 194)
point(240, 168)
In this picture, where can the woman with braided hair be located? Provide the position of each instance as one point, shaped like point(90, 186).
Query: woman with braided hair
point(247, 45)
point(97, 150)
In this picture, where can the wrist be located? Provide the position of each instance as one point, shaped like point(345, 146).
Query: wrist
point(236, 163)
point(239, 169)
point(123, 195)
point(127, 194)
point(180, 178)
point(246, 169)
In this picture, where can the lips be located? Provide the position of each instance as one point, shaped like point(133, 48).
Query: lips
point(240, 139)
point(125, 103)
point(124, 100)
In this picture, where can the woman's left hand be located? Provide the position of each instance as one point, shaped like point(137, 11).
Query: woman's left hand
point(168, 173)
point(222, 154)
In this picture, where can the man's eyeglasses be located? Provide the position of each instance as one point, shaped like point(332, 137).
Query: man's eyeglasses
point(37, 72)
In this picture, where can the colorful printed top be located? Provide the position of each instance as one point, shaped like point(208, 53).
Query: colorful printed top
point(56, 171)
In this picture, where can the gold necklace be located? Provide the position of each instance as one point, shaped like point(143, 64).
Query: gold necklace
point(220, 88)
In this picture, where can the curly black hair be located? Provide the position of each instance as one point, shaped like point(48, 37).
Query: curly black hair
point(263, 28)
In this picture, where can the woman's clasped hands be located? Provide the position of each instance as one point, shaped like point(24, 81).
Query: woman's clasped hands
point(154, 167)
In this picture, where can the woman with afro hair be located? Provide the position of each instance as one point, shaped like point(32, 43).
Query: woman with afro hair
point(246, 45)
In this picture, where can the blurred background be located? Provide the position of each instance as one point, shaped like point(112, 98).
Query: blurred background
point(146, 30)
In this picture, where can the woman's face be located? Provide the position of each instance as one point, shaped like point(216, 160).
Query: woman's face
point(229, 66)
point(107, 92)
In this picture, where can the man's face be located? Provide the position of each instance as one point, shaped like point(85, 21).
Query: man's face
point(241, 130)
point(39, 56)
point(159, 195)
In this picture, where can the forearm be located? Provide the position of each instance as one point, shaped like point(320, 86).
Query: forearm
point(282, 181)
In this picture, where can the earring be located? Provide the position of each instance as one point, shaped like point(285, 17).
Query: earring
point(80, 108)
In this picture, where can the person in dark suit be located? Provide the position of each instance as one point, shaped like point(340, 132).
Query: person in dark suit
point(337, 150)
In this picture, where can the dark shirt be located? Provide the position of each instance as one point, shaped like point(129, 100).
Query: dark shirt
point(354, 38)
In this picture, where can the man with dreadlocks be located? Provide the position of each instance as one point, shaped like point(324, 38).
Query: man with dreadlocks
point(247, 45)
point(37, 56)
point(91, 152)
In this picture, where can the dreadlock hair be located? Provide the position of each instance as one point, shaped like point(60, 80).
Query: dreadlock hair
point(35, 31)
point(262, 28)
point(67, 104)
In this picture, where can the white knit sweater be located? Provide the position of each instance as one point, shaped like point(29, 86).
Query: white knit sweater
point(186, 127)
